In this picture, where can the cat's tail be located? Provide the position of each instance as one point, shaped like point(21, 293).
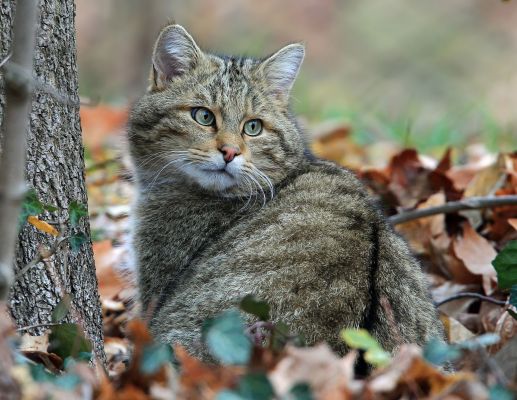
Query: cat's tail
point(404, 312)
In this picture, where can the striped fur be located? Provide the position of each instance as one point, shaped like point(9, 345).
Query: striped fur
point(298, 232)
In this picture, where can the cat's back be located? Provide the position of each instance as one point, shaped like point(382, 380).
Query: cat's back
point(310, 218)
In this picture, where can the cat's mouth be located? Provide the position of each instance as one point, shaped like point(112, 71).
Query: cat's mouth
point(219, 171)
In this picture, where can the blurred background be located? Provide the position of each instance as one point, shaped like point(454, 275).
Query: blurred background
point(425, 74)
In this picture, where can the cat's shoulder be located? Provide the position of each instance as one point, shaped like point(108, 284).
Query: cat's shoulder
point(327, 177)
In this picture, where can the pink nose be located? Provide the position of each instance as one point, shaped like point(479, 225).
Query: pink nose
point(229, 152)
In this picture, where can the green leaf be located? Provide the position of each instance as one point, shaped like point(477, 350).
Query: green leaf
point(67, 340)
point(68, 381)
point(155, 356)
point(438, 352)
point(513, 295)
point(377, 357)
point(506, 266)
point(33, 206)
point(255, 307)
point(228, 395)
point(300, 391)
point(359, 339)
point(40, 374)
point(76, 211)
point(62, 308)
point(226, 339)
point(253, 386)
point(487, 339)
point(30, 206)
point(49, 208)
point(499, 392)
point(76, 241)
point(279, 336)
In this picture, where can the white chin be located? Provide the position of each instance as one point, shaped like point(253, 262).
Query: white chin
point(218, 181)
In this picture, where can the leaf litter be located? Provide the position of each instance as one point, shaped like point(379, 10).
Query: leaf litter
point(457, 252)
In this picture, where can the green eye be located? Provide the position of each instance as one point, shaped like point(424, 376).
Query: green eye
point(253, 127)
point(203, 116)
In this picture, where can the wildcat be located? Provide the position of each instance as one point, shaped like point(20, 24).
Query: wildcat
point(230, 202)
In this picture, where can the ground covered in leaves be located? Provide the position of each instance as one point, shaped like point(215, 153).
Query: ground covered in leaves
point(470, 257)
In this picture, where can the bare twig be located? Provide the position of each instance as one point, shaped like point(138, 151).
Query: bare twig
point(42, 255)
point(468, 295)
point(454, 206)
point(12, 162)
point(90, 102)
point(23, 79)
point(26, 328)
point(7, 58)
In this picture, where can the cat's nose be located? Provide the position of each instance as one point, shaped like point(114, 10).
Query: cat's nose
point(229, 152)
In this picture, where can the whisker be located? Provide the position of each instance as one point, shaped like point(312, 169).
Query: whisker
point(266, 179)
point(260, 187)
point(250, 187)
point(176, 160)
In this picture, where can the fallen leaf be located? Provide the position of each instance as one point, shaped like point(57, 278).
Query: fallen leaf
point(42, 225)
point(329, 376)
point(477, 254)
point(410, 370)
point(455, 331)
point(513, 223)
point(198, 377)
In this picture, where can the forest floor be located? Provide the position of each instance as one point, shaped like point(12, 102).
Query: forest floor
point(476, 296)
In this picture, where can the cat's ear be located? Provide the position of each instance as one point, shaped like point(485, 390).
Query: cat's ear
point(175, 53)
point(281, 68)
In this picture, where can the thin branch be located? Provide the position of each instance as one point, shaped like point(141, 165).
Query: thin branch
point(12, 162)
point(24, 81)
point(454, 206)
point(7, 58)
point(41, 255)
point(468, 295)
point(26, 328)
point(90, 102)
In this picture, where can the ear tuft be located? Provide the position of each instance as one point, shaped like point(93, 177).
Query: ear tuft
point(282, 67)
point(175, 53)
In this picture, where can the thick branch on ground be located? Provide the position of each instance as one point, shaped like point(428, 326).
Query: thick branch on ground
point(454, 206)
point(12, 162)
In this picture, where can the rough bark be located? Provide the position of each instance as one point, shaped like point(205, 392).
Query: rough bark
point(55, 169)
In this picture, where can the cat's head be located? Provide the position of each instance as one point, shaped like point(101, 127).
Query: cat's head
point(219, 122)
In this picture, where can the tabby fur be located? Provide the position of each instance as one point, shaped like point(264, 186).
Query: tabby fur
point(298, 232)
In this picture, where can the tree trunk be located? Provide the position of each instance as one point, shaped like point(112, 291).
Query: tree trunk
point(55, 169)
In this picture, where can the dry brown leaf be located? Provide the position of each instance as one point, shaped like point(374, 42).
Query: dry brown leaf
point(488, 179)
point(420, 232)
point(506, 328)
point(330, 377)
point(332, 142)
point(98, 123)
point(197, 377)
point(454, 330)
point(106, 257)
point(477, 254)
point(410, 370)
point(513, 223)
point(408, 178)
point(42, 225)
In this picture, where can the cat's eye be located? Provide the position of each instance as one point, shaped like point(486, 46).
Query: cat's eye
point(253, 127)
point(203, 116)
